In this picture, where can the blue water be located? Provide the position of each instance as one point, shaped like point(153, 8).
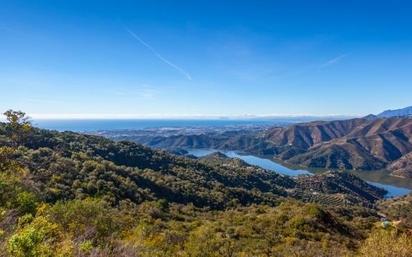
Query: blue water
point(392, 190)
point(273, 166)
point(96, 125)
point(252, 160)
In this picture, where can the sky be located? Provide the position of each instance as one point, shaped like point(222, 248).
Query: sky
point(126, 59)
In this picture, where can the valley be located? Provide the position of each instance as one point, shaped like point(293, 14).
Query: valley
point(354, 144)
point(394, 187)
point(205, 128)
point(73, 194)
point(364, 147)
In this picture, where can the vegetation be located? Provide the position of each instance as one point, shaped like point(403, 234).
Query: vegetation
point(399, 210)
point(67, 194)
point(369, 143)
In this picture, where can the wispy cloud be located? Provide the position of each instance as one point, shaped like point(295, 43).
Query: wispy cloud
point(333, 61)
point(306, 69)
point(159, 56)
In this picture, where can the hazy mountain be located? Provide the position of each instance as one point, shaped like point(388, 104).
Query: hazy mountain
point(404, 112)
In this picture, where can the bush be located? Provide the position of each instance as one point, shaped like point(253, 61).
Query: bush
point(34, 240)
point(26, 202)
point(387, 243)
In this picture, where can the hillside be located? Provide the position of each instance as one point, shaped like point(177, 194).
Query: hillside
point(402, 167)
point(347, 144)
point(360, 144)
point(68, 194)
point(69, 165)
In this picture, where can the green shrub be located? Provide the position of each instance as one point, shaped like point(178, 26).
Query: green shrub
point(86, 246)
point(26, 202)
point(34, 240)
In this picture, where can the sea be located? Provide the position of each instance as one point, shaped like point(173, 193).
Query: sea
point(99, 125)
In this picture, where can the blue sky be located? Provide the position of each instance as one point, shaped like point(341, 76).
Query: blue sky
point(195, 58)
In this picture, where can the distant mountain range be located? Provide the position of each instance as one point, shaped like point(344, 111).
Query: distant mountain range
point(404, 112)
point(359, 144)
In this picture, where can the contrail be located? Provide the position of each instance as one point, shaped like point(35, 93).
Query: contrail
point(174, 66)
point(333, 60)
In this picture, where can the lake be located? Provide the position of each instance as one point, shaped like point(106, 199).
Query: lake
point(252, 160)
point(277, 167)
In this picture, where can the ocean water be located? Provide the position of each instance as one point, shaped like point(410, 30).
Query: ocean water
point(96, 125)
point(393, 190)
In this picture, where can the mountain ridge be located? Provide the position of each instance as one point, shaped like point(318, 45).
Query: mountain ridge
point(93, 164)
point(359, 144)
point(403, 112)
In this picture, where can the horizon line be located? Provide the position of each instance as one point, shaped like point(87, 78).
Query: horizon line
point(180, 117)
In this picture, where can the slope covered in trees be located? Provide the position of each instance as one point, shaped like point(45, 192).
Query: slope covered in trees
point(67, 194)
point(69, 165)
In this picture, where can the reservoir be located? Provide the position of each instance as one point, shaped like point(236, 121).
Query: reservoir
point(277, 167)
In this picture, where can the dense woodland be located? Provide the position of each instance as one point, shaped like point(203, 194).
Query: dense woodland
point(68, 194)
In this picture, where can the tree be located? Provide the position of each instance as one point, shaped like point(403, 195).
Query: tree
point(18, 126)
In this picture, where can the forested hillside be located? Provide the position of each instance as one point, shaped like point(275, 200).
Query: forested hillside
point(68, 194)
